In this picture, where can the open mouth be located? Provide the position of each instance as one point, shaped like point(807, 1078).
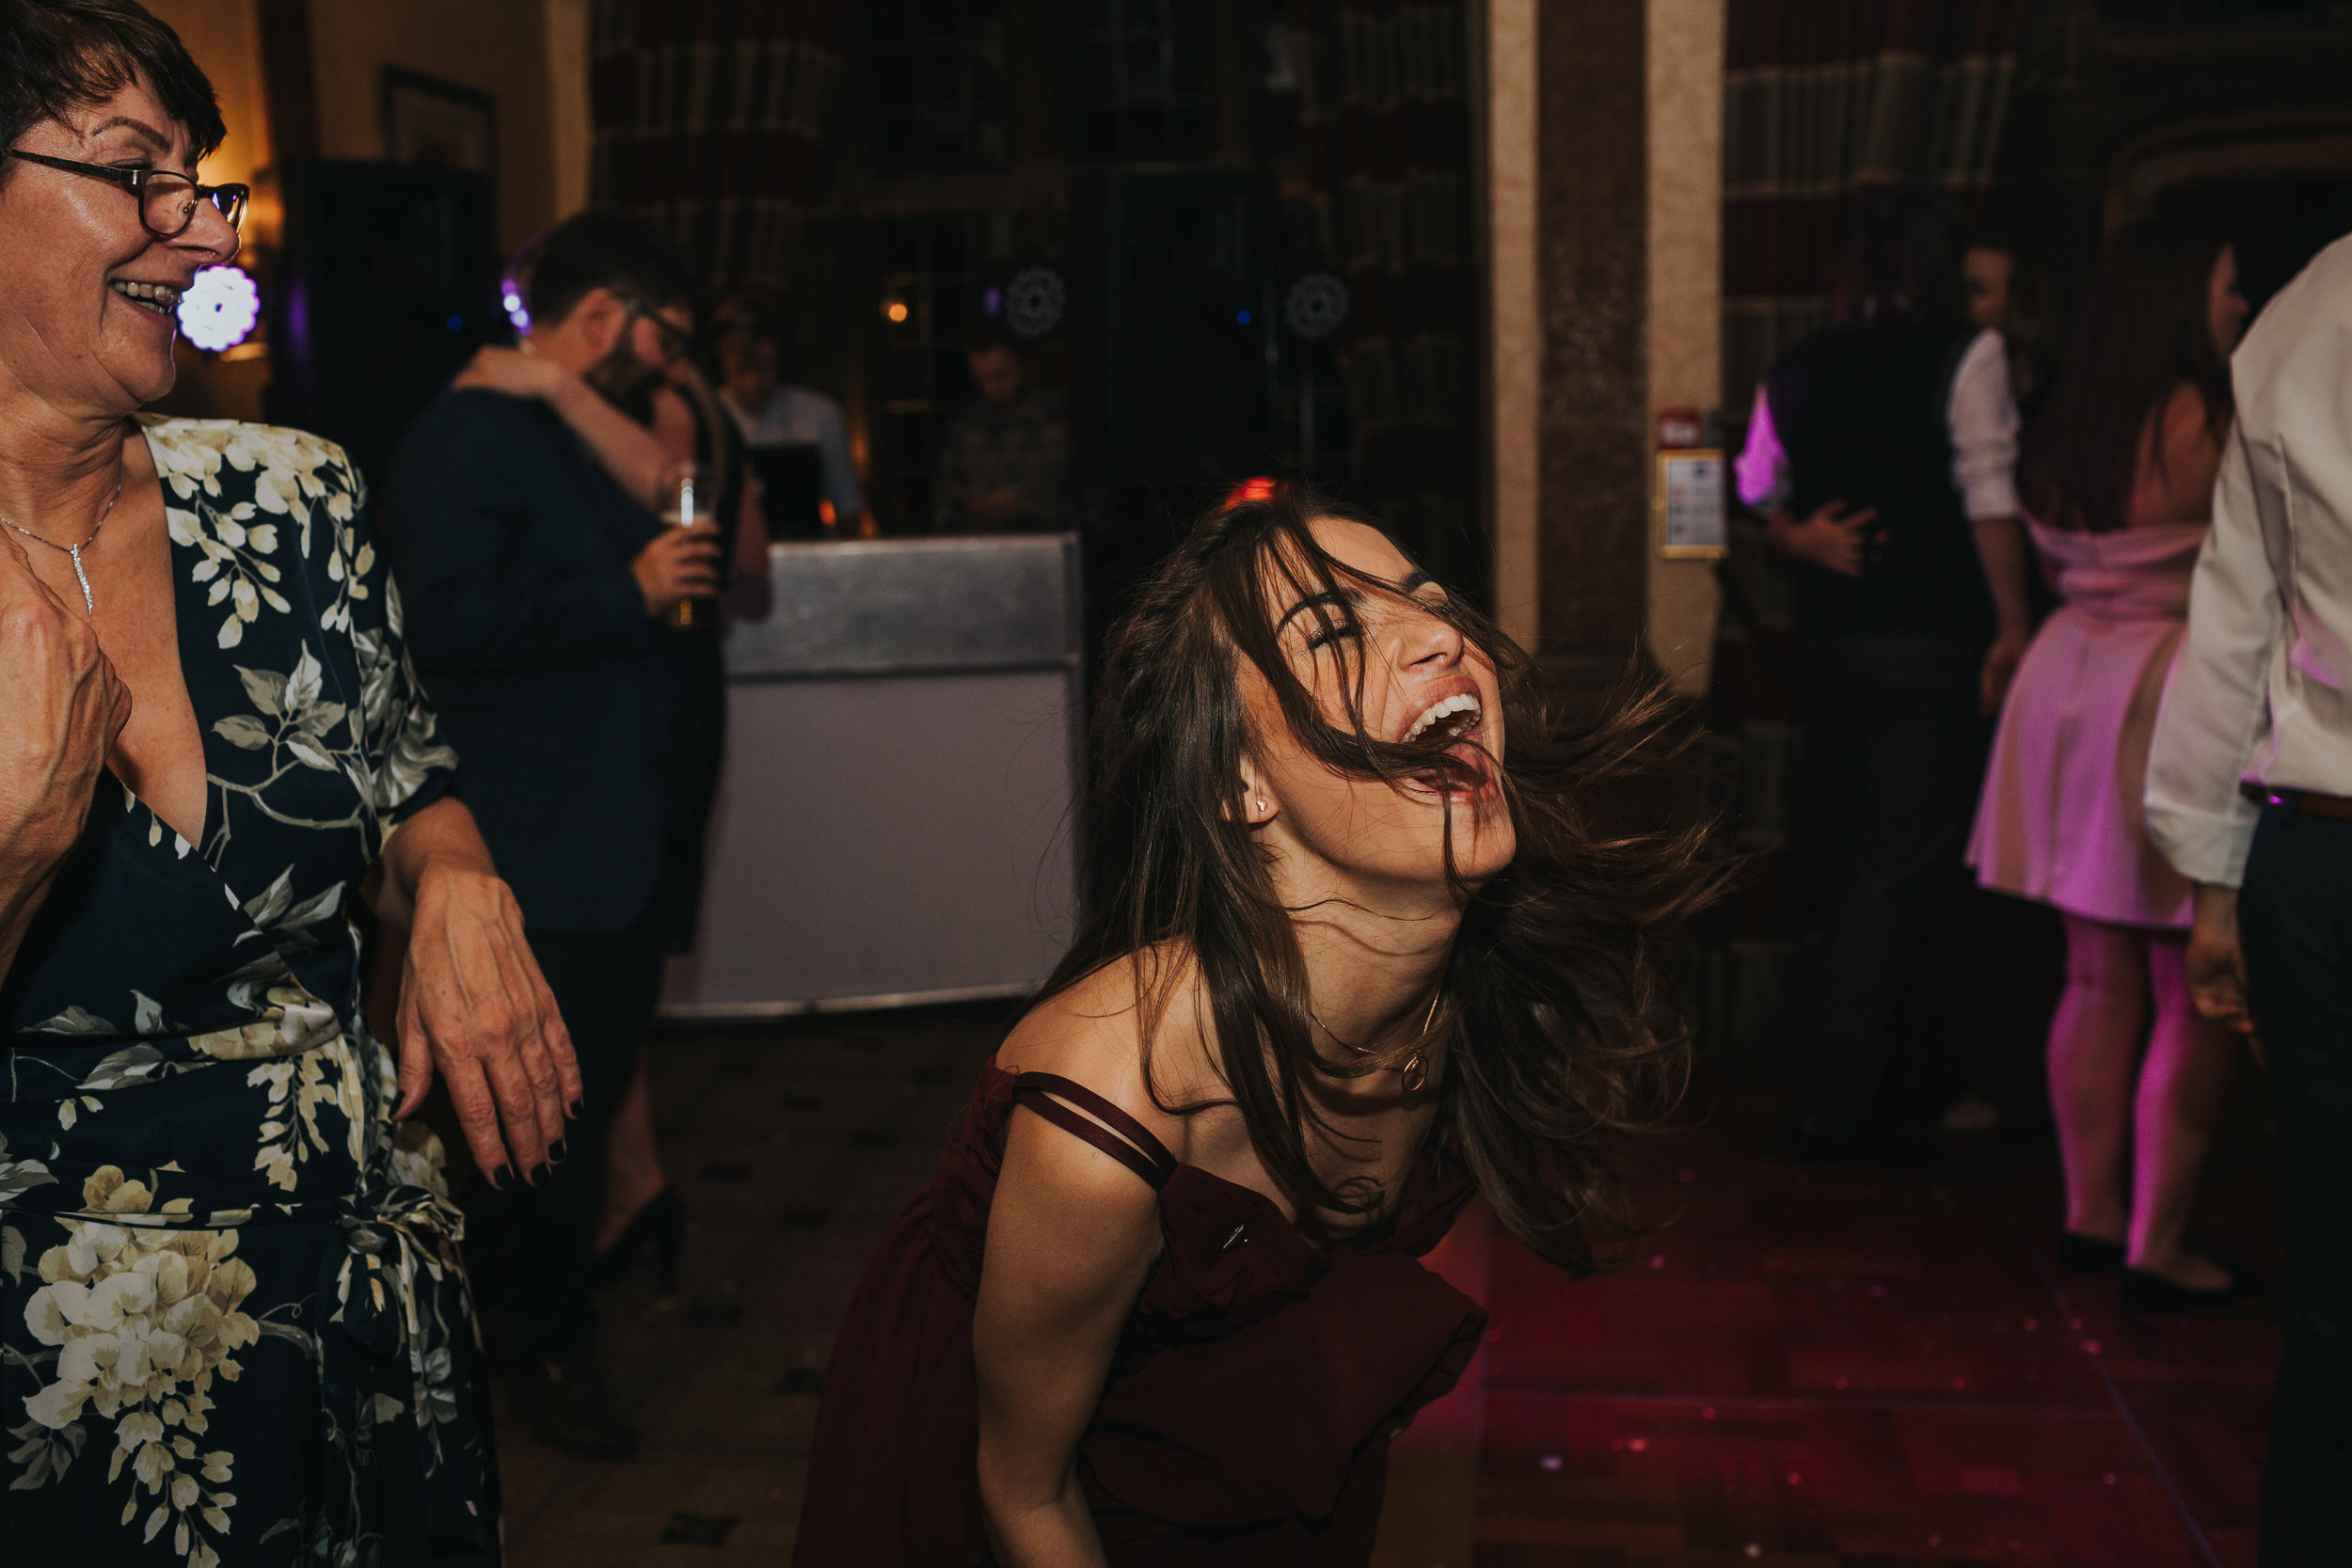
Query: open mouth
point(162, 298)
point(1456, 720)
point(1452, 717)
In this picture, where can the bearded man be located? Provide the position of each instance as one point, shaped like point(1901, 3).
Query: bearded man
point(535, 585)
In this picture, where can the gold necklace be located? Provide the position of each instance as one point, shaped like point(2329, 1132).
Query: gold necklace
point(89, 605)
point(1416, 1073)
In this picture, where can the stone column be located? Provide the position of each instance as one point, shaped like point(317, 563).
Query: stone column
point(1603, 131)
point(1684, 340)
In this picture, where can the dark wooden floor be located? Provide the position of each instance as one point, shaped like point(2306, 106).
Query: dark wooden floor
point(1847, 1369)
point(792, 1146)
point(1801, 1368)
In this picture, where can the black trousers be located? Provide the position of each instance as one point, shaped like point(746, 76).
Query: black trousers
point(2294, 914)
point(529, 1247)
point(1895, 750)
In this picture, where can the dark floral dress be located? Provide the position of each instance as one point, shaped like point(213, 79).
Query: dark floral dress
point(234, 1328)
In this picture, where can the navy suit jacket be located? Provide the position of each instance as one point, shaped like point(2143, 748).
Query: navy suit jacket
point(512, 547)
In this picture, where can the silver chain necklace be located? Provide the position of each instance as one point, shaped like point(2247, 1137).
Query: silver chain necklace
point(89, 605)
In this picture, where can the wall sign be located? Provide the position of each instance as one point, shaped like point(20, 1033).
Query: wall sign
point(1686, 501)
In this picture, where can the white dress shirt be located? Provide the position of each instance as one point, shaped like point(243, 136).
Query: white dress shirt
point(1981, 412)
point(796, 416)
point(2261, 691)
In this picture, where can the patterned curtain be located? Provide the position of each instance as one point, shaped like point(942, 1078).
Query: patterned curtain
point(714, 122)
point(1826, 97)
point(1385, 124)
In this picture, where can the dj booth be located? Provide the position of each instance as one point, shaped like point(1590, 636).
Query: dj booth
point(895, 821)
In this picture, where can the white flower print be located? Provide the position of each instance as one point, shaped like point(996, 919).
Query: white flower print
point(240, 1043)
point(142, 1321)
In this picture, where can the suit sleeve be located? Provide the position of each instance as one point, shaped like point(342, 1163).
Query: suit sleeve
point(457, 510)
point(2215, 708)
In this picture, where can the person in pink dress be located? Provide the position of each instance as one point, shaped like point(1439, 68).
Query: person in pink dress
point(2117, 480)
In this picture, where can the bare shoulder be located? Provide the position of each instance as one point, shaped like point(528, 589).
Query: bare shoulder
point(1093, 1034)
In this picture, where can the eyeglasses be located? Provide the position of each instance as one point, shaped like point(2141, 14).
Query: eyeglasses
point(167, 200)
point(675, 341)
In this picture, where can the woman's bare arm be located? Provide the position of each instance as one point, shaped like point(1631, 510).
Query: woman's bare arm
point(750, 595)
point(633, 456)
point(1072, 1238)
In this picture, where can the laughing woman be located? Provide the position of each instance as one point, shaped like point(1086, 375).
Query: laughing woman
point(1351, 960)
point(232, 1324)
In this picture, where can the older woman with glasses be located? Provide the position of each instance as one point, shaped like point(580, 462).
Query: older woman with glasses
point(232, 1322)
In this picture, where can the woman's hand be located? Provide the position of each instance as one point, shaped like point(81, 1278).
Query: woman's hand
point(472, 1003)
point(65, 707)
point(1830, 536)
point(2000, 668)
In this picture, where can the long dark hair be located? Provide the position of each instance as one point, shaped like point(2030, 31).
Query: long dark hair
point(2146, 332)
point(1557, 1002)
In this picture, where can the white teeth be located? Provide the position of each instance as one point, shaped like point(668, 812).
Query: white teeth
point(1444, 707)
point(159, 296)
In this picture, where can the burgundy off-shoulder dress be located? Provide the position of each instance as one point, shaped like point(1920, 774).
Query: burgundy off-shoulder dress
point(1250, 1407)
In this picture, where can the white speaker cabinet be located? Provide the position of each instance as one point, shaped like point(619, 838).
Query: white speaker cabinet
point(896, 817)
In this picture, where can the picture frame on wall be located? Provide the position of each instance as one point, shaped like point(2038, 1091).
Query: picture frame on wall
point(437, 124)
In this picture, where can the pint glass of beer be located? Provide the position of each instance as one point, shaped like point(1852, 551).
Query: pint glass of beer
point(685, 502)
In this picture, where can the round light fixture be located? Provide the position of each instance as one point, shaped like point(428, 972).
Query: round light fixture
point(511, 296)
point(219, 309)
point(1316, 305)
point(897, 310)
point(1034, 302)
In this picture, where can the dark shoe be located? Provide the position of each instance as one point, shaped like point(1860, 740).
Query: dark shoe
point(661, 1225)
point(566, 1404)
point(2151, 1292)
point(2089, 1255)
point(1869, 1145)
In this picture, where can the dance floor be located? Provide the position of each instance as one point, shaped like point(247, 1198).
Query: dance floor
point(1799, 1367)
point(1850, 1369)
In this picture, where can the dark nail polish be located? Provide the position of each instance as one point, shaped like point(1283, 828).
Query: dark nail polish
point(577, 1109)
point(556, 1151)
point(496, 1177)
point(536, 1172)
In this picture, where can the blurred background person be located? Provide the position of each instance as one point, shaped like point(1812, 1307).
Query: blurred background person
point(2249, 795)
point(537, 585)
point(797, 441)
point(1004, 462)
point(2008, 292)
point(685, 421)
point(2118, 479)
point(1883, 452)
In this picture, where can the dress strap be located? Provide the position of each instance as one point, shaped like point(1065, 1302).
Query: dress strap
point(1124, 1139)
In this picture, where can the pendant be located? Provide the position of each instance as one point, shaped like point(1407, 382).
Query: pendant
point(89, 605)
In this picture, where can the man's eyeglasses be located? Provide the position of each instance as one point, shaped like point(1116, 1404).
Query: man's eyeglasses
point(676, 342)
point(167, 200)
